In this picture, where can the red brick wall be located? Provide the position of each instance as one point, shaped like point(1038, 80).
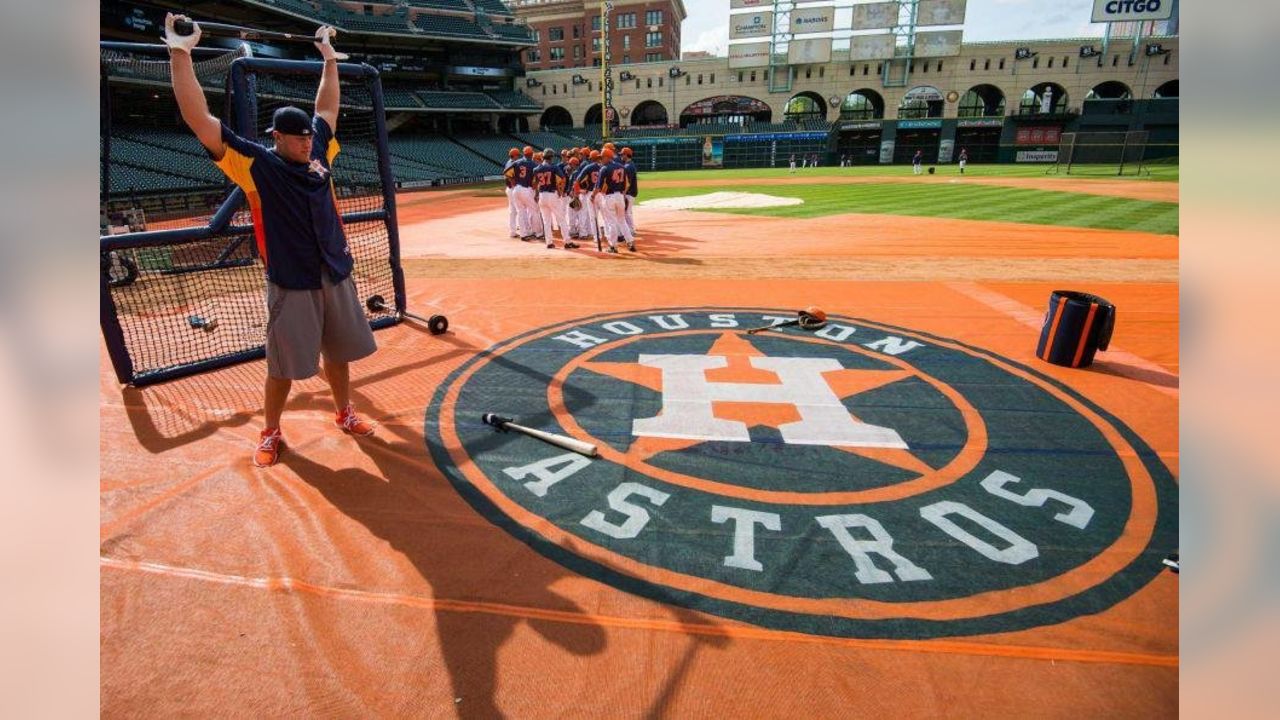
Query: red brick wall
point(670, 28)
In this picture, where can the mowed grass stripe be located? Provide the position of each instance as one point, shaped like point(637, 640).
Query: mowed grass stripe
point(1158, 173)
point(961, 202)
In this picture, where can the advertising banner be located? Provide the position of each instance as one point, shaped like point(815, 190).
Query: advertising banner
point(813, 20)
point(712, 152)
point(749, 4)
point(938, 43)
point(875, 16)
point(810, 51)
point(751, 25)
point(1125, 10)
point(886, 151)
point(1038, 135)
point(860, 125)
point(745, 55)
point(945, 150)
point(1040, 156)
point(940, 12)
point(933, 124)
point(871, 47)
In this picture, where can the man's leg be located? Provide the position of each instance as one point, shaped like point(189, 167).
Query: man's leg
point(511, 214)
point(338, 375)
point(276, 394)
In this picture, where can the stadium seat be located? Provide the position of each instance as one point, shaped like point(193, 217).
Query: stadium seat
point(447, 25)
point(444, 100)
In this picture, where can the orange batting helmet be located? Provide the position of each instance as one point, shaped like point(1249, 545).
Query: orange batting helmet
point(514, 152)
point(528, 150)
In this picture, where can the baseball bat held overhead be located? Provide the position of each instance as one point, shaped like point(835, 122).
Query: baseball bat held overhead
point(214, 29)
point(504, 424)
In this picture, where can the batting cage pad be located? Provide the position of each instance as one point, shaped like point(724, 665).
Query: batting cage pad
point(179, 301)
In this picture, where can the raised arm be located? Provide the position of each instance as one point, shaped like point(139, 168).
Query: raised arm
point(187, 90)
point(328, 95)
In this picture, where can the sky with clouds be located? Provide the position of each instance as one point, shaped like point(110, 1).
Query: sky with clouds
point(707, 27)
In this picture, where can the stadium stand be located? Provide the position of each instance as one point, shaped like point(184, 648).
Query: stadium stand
point(543, 140)
point(395, 23)
point(447, 25)
point(493, 147)
point(441, 4)
point(511, 31)
point(450, 158)
point(310, 9)
point(443, 100)
point(400, 98)
point(493, 7)
point(513, 99)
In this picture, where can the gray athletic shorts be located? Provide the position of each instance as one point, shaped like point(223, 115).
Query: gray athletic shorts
point(302, 324)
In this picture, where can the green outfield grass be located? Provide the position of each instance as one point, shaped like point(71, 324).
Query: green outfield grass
point(1159, 173)
point(962, 202)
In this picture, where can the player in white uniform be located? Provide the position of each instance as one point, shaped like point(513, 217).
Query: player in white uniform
point(549, 184)
point(513, 155)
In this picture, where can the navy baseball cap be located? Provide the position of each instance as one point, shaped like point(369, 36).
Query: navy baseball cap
point(290, 121)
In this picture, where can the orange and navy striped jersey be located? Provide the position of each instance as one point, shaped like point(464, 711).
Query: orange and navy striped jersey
point(295, 210)
point(548, 178)
point(612, 178)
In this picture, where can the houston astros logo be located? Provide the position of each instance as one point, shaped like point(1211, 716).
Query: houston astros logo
point(858, 480)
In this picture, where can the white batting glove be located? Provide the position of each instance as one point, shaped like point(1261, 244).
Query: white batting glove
point(175, 41)
point(324, 37)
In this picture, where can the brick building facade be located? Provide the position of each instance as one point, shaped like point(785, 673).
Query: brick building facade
point(567, 32)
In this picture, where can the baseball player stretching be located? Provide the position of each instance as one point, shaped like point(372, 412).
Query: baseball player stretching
point(609, 193)
point(549, 184)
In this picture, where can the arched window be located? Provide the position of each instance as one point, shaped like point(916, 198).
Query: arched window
point(1110, 90)
point(806, 106)
point(556, 116)
point(982, 101)
point(1167, 90)
point(649, 112)
point(1033, 100)
point(924, 101)
point(862, 104)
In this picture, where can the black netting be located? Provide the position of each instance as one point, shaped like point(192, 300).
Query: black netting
point(1103, 153)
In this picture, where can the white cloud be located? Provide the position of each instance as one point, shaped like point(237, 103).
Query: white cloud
point(715, 41)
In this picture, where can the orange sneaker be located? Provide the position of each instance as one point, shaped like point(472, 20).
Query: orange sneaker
point(269, 446)
point(352, 423)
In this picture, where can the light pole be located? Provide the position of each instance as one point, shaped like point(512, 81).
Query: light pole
point(674, 74)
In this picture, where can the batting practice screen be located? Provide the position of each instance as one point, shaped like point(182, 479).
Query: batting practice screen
point(183, 300)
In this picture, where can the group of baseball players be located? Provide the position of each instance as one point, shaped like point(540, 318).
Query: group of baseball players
point(581, 193)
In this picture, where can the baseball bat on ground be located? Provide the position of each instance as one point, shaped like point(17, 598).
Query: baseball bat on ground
point(503, 424)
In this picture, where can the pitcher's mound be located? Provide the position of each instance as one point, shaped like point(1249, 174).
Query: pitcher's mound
point(722, 200)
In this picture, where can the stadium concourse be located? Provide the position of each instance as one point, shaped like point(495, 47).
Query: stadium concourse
point(1002, 557)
